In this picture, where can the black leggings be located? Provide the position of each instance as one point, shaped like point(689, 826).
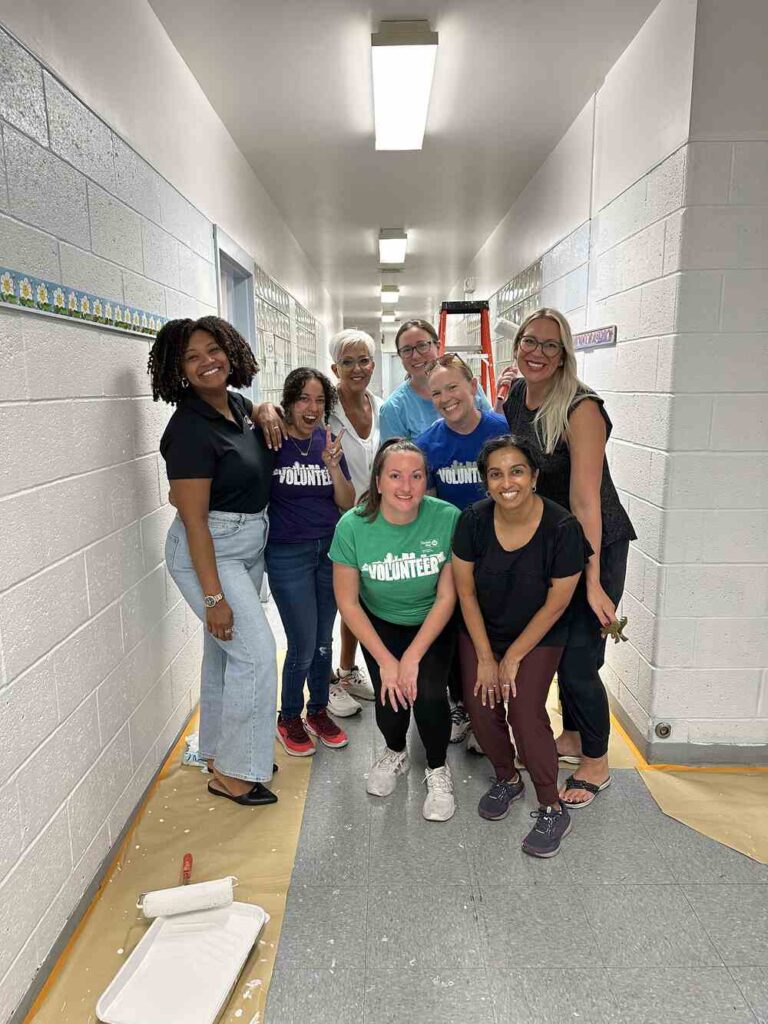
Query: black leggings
point(582, 694)
point(430, 709)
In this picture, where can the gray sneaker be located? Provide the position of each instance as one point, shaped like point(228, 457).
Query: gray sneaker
point(494, 805)
point(551, 826)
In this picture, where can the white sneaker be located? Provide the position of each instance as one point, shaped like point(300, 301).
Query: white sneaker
point(473, 744)
point(440, 804)
point(340, 703)
point(383, 775)
point(356, 682)
point(459, 723)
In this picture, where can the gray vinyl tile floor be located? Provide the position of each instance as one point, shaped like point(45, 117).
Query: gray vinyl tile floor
point(392, 919)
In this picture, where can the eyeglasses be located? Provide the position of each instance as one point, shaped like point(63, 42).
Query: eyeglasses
point(449, 359)
point(422, 347)
point(548, 348)
point(364, 362)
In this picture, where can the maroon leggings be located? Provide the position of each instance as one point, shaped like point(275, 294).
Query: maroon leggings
point(527, 715)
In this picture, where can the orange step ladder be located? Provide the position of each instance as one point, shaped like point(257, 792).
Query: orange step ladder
point(481, 306)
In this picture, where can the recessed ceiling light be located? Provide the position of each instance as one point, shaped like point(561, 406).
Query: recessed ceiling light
point(403, 59)
point(390, 293)
point(392, 245)
point(387, 317)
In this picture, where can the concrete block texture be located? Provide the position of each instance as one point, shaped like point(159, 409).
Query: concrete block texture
point(568, 255)
point(13, 369)
point(114, 565)
point(149, 717)
point(180, 305)
point(3, 182)
point(740, 422)
point(83, 270)
point(161, 255)
point(31, 623)
point(732, 643)
point(19, 424)
point(22, 99)
point(11, 844)
point(95, 795)
point(745, 300)
point(71, 892)
point(144, 293)
point(115, 228)
point(77, 135)
point(708, 173)
point(184, 222)
point(45, 191)
point(16, 982)
point(28, 714)
point(752, 732)
point(724, 237)
point(704, 693)
point(197, 277)
point(129, 799)
point(632, 262)
point(136, 183)
point(26, 249)
point(712, 480)
point(31, 887)
point(715, 590)
point(49, 775)
point(86, 658)
point(749, 180)
point(723, 362)
point(730, 536)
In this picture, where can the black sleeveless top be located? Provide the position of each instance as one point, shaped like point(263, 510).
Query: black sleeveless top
point(555, 474)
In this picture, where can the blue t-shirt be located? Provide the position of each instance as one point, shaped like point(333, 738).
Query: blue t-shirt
point(406, 414)
point(452, 458)
point(301, 505)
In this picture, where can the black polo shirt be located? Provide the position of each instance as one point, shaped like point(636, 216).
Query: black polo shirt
point(201, 444)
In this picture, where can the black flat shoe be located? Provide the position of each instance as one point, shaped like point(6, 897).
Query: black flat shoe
point(257, 795)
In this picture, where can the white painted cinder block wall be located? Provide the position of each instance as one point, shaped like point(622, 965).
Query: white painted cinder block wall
point(651, 214)
point(99, 656)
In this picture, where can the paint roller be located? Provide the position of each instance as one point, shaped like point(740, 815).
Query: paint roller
point(184, 899)
point(504, 329)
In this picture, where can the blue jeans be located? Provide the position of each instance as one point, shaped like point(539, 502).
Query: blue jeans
point(238, 686)
point(301, 578)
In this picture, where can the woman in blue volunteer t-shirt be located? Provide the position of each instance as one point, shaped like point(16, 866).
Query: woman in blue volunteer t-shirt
point(310, 484)
point(451, 445)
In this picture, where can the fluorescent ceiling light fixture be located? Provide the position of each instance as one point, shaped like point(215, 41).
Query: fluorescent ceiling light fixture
point(403, 58)
point(390, 294)
point(387, 317)
point(392, 244)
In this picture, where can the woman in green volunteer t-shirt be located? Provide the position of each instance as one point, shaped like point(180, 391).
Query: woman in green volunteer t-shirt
point(394, 589)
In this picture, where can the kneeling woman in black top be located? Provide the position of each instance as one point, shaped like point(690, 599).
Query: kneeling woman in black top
point(221, 471)
point(517, 560)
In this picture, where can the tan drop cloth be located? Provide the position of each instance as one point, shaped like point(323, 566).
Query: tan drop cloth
point(726, 805)
point(257, 844)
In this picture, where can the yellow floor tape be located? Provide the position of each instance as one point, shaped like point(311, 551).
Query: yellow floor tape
point(256, 844)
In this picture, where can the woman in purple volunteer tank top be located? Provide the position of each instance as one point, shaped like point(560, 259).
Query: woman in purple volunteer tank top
point(310, 485)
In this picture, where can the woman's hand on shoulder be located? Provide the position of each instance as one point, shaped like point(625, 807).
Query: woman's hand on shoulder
point(487, 683)
point(269, 418)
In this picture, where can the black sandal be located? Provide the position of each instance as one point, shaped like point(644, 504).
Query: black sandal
point(589, 787)
point(257, 795)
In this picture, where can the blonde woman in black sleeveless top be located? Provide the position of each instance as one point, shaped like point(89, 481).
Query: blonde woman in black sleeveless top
point(567, 426)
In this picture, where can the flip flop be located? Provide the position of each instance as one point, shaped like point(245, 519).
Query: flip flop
point(589, 787)
point(569, 759)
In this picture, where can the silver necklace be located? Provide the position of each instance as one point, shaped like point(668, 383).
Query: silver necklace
point(298, 447)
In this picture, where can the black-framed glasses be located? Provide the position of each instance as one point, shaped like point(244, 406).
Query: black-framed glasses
point(548, 348)
point(422, 347)
point(364, 362)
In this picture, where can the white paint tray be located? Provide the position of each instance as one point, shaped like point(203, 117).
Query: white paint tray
point(184, 968)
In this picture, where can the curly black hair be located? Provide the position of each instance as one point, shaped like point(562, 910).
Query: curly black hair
point(294, 385)
point(167, 353)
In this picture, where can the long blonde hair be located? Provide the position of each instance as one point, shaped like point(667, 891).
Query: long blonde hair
point(551, 420)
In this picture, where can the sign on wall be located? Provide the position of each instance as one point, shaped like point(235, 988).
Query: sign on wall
point(601, 337)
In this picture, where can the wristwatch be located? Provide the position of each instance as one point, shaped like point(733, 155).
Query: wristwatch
point(211, 600)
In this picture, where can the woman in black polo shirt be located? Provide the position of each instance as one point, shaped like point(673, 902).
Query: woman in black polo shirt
point(221, 469)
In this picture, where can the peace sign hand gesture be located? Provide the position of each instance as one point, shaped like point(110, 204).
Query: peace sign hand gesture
point(332, 452)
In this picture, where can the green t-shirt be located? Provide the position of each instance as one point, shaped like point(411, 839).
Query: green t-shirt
point(399, 565)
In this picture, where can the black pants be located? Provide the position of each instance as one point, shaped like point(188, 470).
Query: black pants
point(430, 709)
point(582, 694)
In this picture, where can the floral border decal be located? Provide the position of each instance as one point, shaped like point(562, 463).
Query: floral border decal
point(29, 292)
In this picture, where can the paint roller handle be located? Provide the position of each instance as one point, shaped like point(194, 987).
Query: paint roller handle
point(186, 868)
